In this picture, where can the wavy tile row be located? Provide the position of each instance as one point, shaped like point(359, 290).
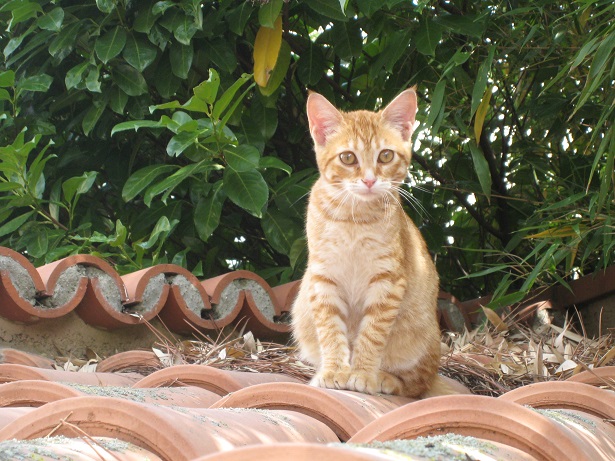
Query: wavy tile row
point(91, 288)
point(94, 290)
point(195, 412)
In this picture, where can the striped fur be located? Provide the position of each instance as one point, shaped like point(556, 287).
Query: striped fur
point(365, 315)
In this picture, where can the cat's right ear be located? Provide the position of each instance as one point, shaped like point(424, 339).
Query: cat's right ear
point(323, 117)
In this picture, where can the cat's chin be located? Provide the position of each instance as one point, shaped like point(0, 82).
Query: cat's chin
point(368, 195)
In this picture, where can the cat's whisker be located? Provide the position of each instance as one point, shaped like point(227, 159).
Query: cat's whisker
point(413, 202)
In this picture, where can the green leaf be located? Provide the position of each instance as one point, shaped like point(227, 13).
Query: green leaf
point(280, 230)
point(462, 24)
point(15, 223)
point(166, 82)
point(135, 125)
point(78, 185)
point(274, 163)
point(64, 42)
point(180, 142)
point(328, 8)
point(298, 252)
point(52, 20)
point(208, 89)
point(208, 211)
point(242, 158)
point(269, 12)
point(239, 17)
point(481, 167)
point(310, 68)
point(437, 103)
point(427, 37)
point(171, 182)
point(345, 38)
point(222, 55)
point(40, 82)
point(111, 44)
point(36, 241)
point(185, 30)
point(143, 178)
point(92, 116)
point(139, 53)
point(246, 189)
point(74, 76)
point(7, 78)
point(117, 101)
point(129, 80)
point(181, 59)
point(162, 228)
point(106, 6)
point(92, 81)
point(228, 95)
point(145, 19)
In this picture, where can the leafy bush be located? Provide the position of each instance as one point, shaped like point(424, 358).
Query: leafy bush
point(148, 132)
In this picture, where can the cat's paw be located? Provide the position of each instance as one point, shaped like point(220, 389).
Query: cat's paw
point(379, 382)
point(331, 379)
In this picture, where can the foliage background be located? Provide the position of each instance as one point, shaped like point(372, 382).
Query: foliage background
point(135, 130)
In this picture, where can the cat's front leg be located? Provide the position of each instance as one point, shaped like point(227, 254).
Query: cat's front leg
point(329, 310)
point(382, 305)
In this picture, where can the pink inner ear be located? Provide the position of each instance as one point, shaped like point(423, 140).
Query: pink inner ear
point(401, 113)
point(323, 118)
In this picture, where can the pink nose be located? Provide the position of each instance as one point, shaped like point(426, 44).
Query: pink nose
point(369, 182)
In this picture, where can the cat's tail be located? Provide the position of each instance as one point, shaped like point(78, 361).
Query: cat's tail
point(445, 386)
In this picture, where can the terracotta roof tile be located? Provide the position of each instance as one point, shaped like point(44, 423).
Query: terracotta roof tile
point(91, 288)
point(134, 407)
point(55, 448)
point(213, 379)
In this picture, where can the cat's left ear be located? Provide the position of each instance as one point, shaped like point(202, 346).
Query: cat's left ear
point(401, 113)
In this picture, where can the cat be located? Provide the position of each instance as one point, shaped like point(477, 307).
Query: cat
point(366, 312)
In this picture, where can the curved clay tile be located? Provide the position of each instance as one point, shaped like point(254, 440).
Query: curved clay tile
point(172, 434)
point(243, 294)
point(602, 376)
point(285, 294)
point(35, 393)
point(92, 449)
point(439, 448)
point(596, 433)
point(8, 415)
point(565, 395)
point(11, 372)
point(213, 379)
point(294, 452)
point(484, 418)
point(90, 286)
point(130, 361)
point(15, 356)
point(345, 412)
point(20, 287)
point(184, 299)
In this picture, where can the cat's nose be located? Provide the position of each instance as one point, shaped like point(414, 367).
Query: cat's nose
point(369, 182)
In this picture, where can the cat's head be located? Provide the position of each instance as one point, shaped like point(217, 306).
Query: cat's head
point(365, 153)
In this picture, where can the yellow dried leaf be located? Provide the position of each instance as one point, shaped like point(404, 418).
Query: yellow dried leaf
point(495, 319)
point(481, 113)
point(266, 50)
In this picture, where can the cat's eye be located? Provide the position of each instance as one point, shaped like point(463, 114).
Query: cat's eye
point(385, 156)
point(348, 158)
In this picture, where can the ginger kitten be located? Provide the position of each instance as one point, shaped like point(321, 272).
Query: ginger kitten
point(365, 315)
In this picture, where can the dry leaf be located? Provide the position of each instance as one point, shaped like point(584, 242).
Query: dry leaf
point(266, 50)
point(495, 319)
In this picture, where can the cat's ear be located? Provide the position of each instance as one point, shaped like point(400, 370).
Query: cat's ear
point(401, 112)
point(323, 117)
